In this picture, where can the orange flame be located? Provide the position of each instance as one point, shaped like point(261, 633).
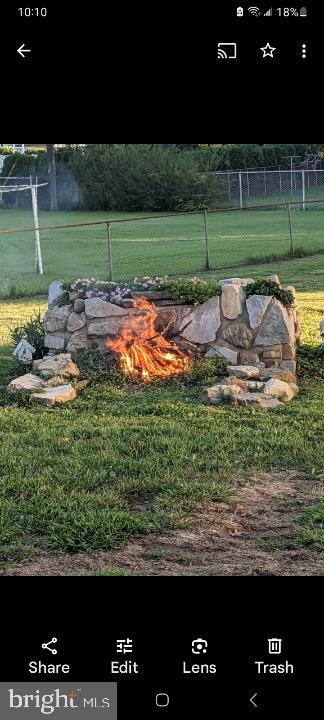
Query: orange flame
point(143, 353)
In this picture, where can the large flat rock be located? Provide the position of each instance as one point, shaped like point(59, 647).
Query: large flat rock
point(56, 365)
point(204, 322)
point(76, 321)
point(55, 341)
point(101, 328)
point(238, 334)
point(217, 393)
point(225, 352)
point(279, 389)
point(78, 341)
point(256, 399)
point(232, 300)
point(55, 396)
point(278, 374)
point(277, 328)
point(55, 290)
point(256, 307)
point(24, 383)
point(236, 281)
point(96, 308)
point(244, 372)
point(56, 320)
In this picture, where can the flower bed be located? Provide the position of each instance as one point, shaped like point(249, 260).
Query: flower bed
point(191, 290)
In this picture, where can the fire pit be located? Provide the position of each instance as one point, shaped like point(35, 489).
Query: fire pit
point(145, 354)
point(156, 335)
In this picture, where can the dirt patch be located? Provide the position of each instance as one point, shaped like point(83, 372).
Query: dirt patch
point(235, 539)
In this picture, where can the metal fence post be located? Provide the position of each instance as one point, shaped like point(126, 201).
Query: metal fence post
point(290, 230)
point(110, 265)
point(208, 266)
point(241, 192)
point(303, 185)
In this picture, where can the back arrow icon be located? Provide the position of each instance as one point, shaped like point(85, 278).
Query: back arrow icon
point(252, 699)
point(22, 50)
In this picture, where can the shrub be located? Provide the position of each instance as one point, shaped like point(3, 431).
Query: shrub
point(33, 331)
point(193, 290)
point(268, 287)
point(143, 178)
point(310, 361)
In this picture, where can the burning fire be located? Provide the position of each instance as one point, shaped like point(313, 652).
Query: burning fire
point(144, 353)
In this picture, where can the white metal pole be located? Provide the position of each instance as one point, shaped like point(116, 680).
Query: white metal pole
point(241, 192)
point(303, 184)
point(37, 239)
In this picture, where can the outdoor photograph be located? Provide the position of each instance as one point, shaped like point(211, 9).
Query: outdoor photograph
point(162, 360)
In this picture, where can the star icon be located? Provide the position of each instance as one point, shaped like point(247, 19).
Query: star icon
point(268, 50)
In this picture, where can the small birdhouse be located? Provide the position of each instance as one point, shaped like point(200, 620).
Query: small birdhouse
point(24, 352)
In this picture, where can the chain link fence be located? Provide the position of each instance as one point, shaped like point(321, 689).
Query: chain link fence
point(245, 188)
point(182, 244)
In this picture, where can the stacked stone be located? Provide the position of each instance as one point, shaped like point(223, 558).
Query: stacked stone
point(245, 331)
point(259, 329)
point(90, 323)
point(248, 385)
point(50, 386)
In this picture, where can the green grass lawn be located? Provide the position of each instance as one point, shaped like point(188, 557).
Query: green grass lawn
point(112, 465)
point(152, 247)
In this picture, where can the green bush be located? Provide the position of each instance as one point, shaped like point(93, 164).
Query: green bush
point(142, 178)
point(193, 290)
point(268, 287)
point(33, 331)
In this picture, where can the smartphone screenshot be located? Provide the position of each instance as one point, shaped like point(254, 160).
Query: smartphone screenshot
point(161, 424)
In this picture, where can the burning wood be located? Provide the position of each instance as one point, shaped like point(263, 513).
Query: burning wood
point(143, 354)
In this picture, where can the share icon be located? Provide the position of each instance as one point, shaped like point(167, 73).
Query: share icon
point(45, 646)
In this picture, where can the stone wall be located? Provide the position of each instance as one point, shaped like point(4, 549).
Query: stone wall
point(245, 331)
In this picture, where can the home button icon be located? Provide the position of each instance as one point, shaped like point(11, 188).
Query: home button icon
point(162, 700)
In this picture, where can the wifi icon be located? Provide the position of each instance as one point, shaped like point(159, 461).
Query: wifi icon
point(254, 11)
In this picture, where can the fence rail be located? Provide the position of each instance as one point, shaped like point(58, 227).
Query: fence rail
point(166, 244)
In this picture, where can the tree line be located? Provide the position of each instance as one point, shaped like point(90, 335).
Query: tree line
point(149, 178)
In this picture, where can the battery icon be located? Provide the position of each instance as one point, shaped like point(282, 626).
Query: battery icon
point(303, 12)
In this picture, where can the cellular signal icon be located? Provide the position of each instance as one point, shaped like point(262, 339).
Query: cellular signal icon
point(268, 13)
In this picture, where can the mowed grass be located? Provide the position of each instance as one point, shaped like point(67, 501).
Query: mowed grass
point(157, 246)
point(110, 465)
